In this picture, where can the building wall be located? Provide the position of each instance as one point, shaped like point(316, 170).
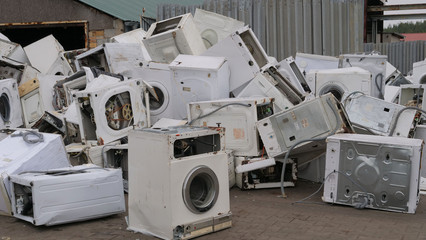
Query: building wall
point(100, 26)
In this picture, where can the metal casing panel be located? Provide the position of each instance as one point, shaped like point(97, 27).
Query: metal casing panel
point(308, 62)
point(340, 81)
point(419, 72)
point(10, 101)
point(180, 37)
point(311, 119)
point(373, 172)
point(290, 70)
point(242, 63)
point(95, 193)
point(13, 51)
point(239, 122)
point(17, 156)
point(99, 91)
point(379, 116)
point(44, 53)
point(263, 85)
point(156, 204)
point(420, 133)
point(113, 57)
point(376, 64)
point(198, 78)
point(214, 27)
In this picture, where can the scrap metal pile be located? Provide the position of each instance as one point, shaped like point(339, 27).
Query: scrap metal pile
point(177, 115)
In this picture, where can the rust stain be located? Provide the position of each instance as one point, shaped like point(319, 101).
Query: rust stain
point(238, 133)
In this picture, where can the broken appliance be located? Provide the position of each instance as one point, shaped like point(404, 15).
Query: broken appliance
point(166, 39)
point(266, 177)
point(339, 81)
point(419, 72)
point(366, 171)
point(88, 153)
point(214, 27)
point(116, 155)
point(25, 150)
point(372, 115)
point(22, 72)
point(134, 36)
point(308, 62)
point(10, 104)
point(238, 116)
point(64, 195)
point(37, 97)
point(163, 103)
point(52, 122)
point(374, 63)
point(244, 54)
point(315, 118)
point(411, 95)
point(108, 108)
point(112, 57)
point(291, 71)
point(13, 51)
point(198, 78)
point(272, 84)
point(420, 133)
point(45, 55)
point(231, 168)
point(191, 169)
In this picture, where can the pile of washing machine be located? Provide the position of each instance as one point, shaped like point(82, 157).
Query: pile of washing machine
point(177, 115)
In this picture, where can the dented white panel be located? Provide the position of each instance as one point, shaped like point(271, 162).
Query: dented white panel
point(17, 156)
point(86, 192)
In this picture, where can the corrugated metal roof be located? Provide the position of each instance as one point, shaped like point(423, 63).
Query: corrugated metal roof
point(130, 10)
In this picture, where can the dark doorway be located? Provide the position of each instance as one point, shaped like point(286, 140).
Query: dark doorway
point(70, 36)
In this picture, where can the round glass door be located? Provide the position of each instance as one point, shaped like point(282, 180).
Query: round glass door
point(200, 189)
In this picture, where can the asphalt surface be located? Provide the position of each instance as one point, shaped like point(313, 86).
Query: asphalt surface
point(257, 214)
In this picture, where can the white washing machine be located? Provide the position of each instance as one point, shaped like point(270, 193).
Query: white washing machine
point(378, 116)
point(158, 75)
point(311, 119)
point(308, 62)
point(198, 78)
point(238, 116)
point(368, 171)
point(419, 72)
point(244, 54)
point(10, 104)
point(182, 188)
point(166, 39)
point(214, 27)
point(339, 81)
point(272, 84)
point(374, 63)
point(108, 108)
point(290, 70)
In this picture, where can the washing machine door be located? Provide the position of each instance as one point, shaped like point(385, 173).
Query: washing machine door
point(5, 107)
point(200, 189)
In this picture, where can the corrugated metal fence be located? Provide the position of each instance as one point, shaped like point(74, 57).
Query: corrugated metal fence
point(284, 27)
point(400, 54)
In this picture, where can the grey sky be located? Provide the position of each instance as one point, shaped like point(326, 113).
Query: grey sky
point(393, 2)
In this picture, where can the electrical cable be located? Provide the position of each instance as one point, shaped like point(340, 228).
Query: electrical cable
point(308, 140)
point(217, 109)
point(399, 114)
point(349, 96)
point(379, 87)
point(358, 206)
point(25, 135)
